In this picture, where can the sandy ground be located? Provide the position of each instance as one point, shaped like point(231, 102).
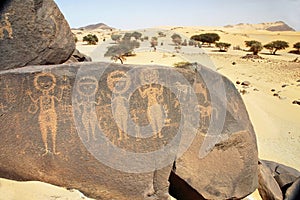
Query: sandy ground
point(33, 190)
point(275, 118)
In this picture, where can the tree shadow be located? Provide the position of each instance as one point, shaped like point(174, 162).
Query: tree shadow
point(270, 54)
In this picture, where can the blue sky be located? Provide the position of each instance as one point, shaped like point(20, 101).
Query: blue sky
point(136, 14)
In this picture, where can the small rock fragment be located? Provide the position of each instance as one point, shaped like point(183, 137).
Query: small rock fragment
point(296, 102)
point(246, 83)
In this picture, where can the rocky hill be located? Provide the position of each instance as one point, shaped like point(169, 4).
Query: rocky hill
point(270, 26)
point(96, 26)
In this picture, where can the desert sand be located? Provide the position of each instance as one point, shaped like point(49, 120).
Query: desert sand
point(34, 190)
point(274, 85)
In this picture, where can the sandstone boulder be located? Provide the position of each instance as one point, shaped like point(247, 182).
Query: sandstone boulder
point(268, 187)
point(33, 32)
point(116, 131)
point(77, 56)
point(285, 177)
point(227, 170)
point(293, 192)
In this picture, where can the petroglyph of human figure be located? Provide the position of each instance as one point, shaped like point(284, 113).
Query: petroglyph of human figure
point(65, 107)
point(9, 95)
point(5, 26)
point(87, 88)
point(119, 83)
point(46, 82)
point(3, 107)
point(154, 93)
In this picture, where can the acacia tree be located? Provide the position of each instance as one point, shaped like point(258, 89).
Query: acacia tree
point(123, 49)
point(116, 38)
point(176, 38)
point(274, 46)
point(90, 39)
point(223, 46)
point(154, 43)
point(208, 38)
point(254, 45)
point(136, 35)
point(297, 46)
point(127, 36)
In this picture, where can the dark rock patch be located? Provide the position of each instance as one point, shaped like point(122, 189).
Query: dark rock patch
point(33, 32)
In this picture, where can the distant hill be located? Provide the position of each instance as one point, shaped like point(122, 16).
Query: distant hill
point(271, 26)
point(97, 26)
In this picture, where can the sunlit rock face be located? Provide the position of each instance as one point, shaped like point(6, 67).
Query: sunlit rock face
point(117, 131)
point(33, 32)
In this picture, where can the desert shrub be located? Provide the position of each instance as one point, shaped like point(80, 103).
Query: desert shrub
point(154, 42)
point(184, 43)
point(254, 45)
point(237, 47)
point(297, 46)
point(223, 46)
point(206, 38)
point(274, 46)
point(90, 39)
point(191, 42)
point(127, 36)
point(75, 39)
point(146, 37)
point(184, 65)
point(161, 34)
point(176, 38)
point(177, 48)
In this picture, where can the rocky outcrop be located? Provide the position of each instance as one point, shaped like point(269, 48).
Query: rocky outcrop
point(269, 26)
point(97, 26)
point(277, 181)
point(268, 187)
point(33, 32)
point(280, 26)
point(293, 192)
point(77, 56)
point(116, 131)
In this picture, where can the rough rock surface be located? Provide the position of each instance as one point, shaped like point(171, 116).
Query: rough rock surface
point(293, 192)
point(77, 56)
point(286, 179)
point(59, 122)
point(268, 187)
point(229, 171)
point(33, 32)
